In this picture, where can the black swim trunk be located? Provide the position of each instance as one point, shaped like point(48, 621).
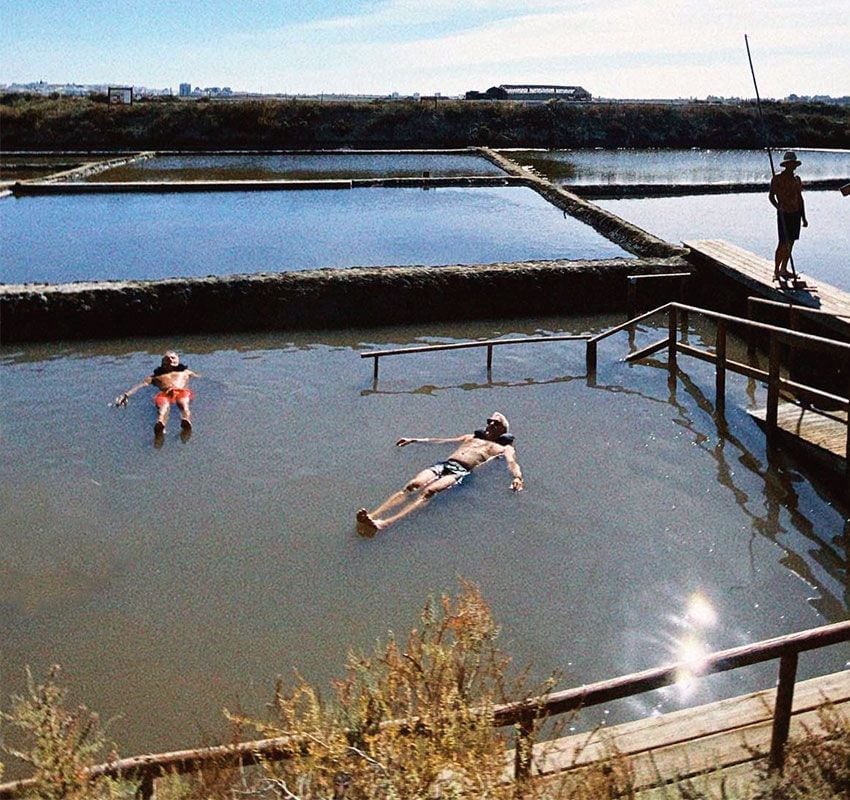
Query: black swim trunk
point(788, 225)
point(451, 467)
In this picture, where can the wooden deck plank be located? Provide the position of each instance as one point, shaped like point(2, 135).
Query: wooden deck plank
point(729, 736)
point(737, 781)
point(757, 273)
point(820, 429)
point(686, 725)
point(733, 748)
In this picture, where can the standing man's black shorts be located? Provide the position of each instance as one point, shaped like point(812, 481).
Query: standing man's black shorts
point(788, 225)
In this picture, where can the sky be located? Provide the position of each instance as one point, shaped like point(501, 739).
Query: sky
point(616, 49)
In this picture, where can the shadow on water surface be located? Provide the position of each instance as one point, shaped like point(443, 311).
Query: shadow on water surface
point(780, 476)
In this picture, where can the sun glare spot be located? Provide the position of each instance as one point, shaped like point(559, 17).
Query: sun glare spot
point(699, 611)
point(691, 654)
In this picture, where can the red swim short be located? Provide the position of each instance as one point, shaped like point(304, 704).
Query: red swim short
point(172, 396)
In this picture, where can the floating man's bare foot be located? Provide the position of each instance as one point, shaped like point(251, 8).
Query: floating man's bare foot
point(185, 424)
point(159, 428)
point(366, 526)
point(185, 433)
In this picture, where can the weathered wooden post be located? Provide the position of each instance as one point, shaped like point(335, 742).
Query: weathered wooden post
point(590, 357)
point(523, 752)
point(794, 325)
point(720, 374)
point(782, 710)
point(147, 788)
point(847, 451)
point(671, 337)
point(772, 411)
point(489, 359)
point(375, 369)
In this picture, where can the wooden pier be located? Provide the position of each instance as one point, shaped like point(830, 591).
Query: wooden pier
point(725, 742)
point(821, 434)
point(815, 426)
point(756, 274)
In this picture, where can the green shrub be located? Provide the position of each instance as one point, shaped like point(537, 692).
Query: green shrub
point(58, 743)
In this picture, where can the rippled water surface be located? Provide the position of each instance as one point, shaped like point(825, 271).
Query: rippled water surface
point(171, 582)
point(104, 237)
point(677, 166)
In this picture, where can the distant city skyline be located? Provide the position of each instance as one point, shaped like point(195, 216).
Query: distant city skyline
point(620, 48)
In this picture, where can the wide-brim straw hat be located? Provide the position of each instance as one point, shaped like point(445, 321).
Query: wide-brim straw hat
point(790, 157)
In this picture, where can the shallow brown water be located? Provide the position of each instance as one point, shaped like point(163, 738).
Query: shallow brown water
point(172, 582)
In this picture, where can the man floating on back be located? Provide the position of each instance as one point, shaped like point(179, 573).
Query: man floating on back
point(172, 380)
point(474, 449)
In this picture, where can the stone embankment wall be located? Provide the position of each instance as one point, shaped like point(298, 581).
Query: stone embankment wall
point(326, 298)
point(357, 297)
point(630, 237)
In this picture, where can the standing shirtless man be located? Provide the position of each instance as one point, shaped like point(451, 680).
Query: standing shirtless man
point(172, 380)
point(475, 449)
point(786, 196)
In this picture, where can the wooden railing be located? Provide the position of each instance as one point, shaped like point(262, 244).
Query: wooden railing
point(488, 343)
point(795, 310)
point(678, 313)
point(777, 337)
point(785, 648)
point(522, 715)
point(795, 314)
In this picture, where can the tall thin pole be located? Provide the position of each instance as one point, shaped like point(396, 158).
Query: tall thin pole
point(767, 143)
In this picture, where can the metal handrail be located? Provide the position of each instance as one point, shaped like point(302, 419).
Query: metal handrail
point(488, 343)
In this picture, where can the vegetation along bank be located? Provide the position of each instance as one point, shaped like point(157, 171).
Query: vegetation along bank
point(85, 123)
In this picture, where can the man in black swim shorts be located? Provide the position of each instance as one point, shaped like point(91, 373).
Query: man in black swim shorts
point(474, 449)
point(786, 196)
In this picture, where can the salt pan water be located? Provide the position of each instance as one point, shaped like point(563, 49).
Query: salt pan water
point(299, 166)
point(59, 239)
point(173, 581)
point(696, 165)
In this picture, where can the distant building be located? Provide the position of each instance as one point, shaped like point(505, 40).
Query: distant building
point(185, 90)
point(526, 91)
point(531, 93)
point(120, 95)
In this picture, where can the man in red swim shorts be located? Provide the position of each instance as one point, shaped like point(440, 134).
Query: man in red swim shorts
point(172, 380)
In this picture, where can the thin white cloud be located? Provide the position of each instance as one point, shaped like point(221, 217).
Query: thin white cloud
point(621, 48)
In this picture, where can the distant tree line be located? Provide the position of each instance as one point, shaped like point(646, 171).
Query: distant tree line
point(30, 122)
